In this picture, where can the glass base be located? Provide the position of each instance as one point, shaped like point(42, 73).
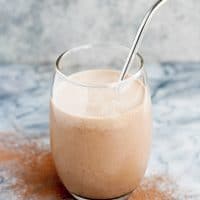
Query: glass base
point(123, 197)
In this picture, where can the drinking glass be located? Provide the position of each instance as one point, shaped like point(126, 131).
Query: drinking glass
point(100, 130)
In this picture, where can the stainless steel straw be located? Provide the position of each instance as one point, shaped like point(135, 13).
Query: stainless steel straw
point(139, 37)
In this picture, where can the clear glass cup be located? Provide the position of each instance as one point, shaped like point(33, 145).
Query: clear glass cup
point(100, 130)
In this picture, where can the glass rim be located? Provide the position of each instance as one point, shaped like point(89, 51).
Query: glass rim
point(58, 68)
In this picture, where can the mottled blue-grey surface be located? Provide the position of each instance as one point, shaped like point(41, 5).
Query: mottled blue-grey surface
point(36, 31)
point(24, 97)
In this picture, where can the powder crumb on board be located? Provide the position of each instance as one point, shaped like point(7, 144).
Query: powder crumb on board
point(155, 188)
point(31, 167)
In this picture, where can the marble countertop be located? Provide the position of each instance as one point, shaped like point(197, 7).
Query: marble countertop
point(175, 89)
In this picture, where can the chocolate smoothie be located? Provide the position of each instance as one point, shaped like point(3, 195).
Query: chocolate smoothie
point(100, 137)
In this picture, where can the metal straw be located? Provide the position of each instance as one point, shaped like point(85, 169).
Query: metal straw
point(139, 37)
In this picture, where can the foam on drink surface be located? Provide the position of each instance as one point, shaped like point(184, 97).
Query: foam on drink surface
point(97, 101)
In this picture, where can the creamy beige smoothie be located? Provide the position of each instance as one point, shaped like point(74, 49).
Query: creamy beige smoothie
point(100, 137)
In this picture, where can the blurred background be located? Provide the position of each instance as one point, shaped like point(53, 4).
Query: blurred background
point(36, 32)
